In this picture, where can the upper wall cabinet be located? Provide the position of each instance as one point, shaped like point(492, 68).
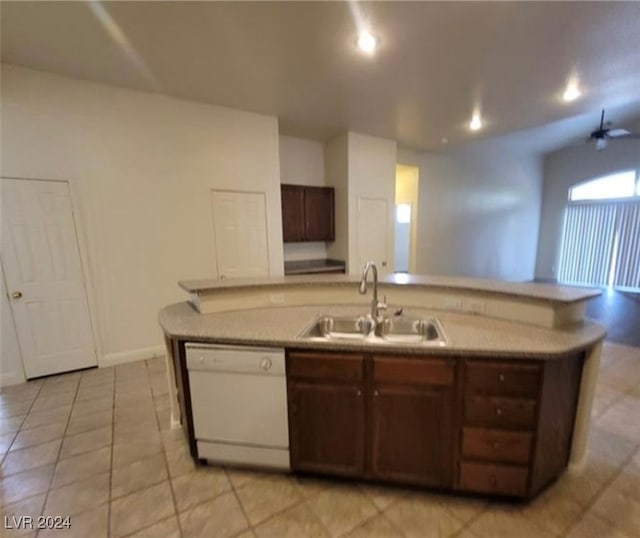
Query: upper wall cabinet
point(307, 213)
point(292, 197)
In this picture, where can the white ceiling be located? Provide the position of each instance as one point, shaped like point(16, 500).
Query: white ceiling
point(297, 60)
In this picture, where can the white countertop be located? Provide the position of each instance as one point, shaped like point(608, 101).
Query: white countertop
point(466, 334)
point(526, 290)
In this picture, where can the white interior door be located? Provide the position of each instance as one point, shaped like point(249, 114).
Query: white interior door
point(240, 229)
point(372, 232)
point(41, 261)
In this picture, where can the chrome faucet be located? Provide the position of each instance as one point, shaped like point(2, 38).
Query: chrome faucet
point(375, 305)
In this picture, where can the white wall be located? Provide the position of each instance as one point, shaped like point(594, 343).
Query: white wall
point(359, 165)
point(479, 212)
point(563, 169)
point(372, 173)
point(302, 163)
point(11, 371)
point(141, 167)
point(336, 160)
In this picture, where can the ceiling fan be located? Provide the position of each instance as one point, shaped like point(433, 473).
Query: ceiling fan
point(603, 134)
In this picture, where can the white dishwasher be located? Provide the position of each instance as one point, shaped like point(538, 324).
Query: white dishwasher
point(239, 404)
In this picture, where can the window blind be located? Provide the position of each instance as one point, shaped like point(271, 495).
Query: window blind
point(627, 260)
point(587, 243)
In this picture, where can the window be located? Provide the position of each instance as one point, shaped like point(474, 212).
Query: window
point(601, 234)
point(619, 185)
point(403, 213)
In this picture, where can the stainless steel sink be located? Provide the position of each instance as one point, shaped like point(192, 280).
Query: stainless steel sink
point(391, 330)
point(339, 328)
point(404, 330)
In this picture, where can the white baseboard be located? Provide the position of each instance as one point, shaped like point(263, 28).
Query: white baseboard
point(111, 359)
point(11, 378)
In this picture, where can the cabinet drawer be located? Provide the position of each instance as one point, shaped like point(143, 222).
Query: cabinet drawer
point(338, 367)
point(497, 479)
point(506, 413)
point(496, 445)
point(501, 379)
point(413, 371)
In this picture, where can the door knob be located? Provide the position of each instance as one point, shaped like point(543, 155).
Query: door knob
point(16, 294)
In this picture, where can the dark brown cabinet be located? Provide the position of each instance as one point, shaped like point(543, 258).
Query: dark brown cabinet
point(501, 427)
point(412, 420)
point(318, 214)
point(394, 423)
point(292, 199)
point(326, 412)
point(307, 213)
point(497, 426)
point(517, 423)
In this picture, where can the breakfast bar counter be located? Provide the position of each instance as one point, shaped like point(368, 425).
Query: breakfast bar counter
point(505, 394)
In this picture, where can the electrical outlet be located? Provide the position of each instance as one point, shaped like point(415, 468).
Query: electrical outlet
point(276, 298)
point(453, 303)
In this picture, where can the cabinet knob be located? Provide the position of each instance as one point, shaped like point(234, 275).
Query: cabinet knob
point(498, 411)
point(16, 294)
point(265, 363)
point(501, 377)
point(376, 393)
point(358, 392)
point(201, 360)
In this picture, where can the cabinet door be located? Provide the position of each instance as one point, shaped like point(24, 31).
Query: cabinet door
point(412, 422)
point(318, 211)
point(326, 427)
point(292, 200)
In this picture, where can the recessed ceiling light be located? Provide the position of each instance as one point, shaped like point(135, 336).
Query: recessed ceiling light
point(476, 122)
point(367, 42)
point(572, 92)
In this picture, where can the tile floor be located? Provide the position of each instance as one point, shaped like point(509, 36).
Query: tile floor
point(95, 446)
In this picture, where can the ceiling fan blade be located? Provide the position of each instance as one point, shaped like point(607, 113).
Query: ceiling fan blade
point(630, 136)
point(615, 133)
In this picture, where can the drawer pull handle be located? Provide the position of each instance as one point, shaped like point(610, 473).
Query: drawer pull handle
point(376, 393)
point(501, 377)
point(498, 411)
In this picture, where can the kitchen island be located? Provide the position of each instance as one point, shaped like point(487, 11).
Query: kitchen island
point(502, 408)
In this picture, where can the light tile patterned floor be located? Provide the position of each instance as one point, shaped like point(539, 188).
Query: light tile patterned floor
point(95, 445)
